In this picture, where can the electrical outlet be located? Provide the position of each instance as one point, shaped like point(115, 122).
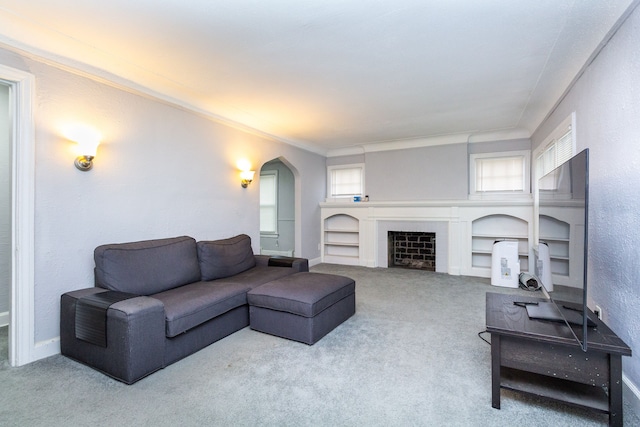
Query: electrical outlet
point(598, 312)
point(318, 246)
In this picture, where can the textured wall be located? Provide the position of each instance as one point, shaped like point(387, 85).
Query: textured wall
point(161, 171)
point(5, 202)
point(606, 100)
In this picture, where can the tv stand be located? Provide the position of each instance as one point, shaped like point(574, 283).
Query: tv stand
point(544, 359)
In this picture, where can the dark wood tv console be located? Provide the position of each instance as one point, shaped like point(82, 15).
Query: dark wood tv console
point(544, 359)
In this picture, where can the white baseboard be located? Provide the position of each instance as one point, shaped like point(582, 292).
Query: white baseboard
point(275, 253)
point(4, 319)
point(631, 393)
point(315, 261)
point(46, 348)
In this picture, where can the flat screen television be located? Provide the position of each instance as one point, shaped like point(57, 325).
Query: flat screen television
point(562, 221)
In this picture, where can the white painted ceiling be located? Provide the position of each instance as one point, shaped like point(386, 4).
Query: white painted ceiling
point(330, 74)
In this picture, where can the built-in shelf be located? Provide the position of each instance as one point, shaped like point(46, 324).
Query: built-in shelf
point(556, 234)
point(341, 243)
point(487, 230)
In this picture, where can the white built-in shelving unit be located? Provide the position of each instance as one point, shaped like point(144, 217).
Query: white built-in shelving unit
point(356, 233)
point(491, 228)
point(341, 240)
point(556, 234)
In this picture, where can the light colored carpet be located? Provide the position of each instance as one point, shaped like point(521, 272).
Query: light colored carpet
point(409, 357)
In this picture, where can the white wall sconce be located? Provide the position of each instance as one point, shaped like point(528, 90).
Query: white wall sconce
point(247, 177)
point(88, 140)
point(246, 174)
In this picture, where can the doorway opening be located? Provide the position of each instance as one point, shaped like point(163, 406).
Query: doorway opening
point(5, 219)
point(278, 209)
point(21, 328)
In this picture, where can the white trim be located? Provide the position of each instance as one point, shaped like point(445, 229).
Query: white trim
point(315, 261)
point(431, 141)
point(22, 322)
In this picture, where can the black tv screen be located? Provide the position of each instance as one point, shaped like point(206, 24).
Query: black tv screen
point(563, 218)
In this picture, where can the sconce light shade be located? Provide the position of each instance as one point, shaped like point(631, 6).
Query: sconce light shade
point(247, 177)
point(88, 140)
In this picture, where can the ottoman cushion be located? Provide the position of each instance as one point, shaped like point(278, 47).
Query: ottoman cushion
point(304, 294)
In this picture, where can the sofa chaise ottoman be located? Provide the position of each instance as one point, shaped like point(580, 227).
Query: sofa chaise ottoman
point(302, 307)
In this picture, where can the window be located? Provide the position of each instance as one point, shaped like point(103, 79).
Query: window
point(269, 202)
point(499, 173)
point(555, 150)
point(345, 181)
point(555, 153)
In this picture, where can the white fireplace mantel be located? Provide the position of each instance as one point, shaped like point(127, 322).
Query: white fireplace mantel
point(364, 241)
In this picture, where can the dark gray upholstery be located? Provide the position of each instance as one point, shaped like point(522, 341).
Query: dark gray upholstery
point(257, 276)
point(190, 305)
point(302, 307)
point(304, 294)
point(308, 330)
point(226, 257)
point(147, 267)
point(135, 337)
point(177, 313)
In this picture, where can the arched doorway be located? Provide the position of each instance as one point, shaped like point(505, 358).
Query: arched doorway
point(278, 208)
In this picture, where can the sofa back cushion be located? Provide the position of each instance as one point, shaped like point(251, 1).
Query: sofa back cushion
point(226, 257)
point(147, 267)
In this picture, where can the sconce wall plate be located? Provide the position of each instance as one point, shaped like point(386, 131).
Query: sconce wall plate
point(84, 163)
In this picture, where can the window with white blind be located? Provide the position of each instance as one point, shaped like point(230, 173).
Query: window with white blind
point(556, 149)
point(269, 202)
point(345, 181)
point(499, 173)
point(555, 153)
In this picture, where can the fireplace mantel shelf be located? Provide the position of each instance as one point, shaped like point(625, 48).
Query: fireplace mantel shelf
point(527, 201)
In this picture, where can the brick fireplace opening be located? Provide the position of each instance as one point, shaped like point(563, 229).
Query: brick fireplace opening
point(412, 249)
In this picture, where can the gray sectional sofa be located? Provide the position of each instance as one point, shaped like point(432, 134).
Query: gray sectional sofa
point(158, 301)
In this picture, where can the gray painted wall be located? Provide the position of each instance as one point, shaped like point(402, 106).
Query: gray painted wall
point(499, 146)
point(427, 173)
point(606, 100)
point(5, 202)
point(161, 171)
point(286, 209)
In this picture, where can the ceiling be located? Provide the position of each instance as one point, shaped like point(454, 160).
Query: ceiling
point(331, 75)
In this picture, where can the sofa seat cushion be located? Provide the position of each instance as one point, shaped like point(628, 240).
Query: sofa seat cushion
point(147, 267)
point(225, 257)
point(257, 276)
point(191, 305)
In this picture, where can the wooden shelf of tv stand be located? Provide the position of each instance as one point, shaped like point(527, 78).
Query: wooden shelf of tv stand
point(571, 392)
point(544, 359)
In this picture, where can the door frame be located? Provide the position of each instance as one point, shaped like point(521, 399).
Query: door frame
point(22, 318)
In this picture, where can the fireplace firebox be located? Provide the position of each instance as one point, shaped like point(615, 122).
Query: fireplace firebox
point(410, 249)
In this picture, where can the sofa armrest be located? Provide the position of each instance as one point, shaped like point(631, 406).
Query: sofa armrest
point(299, 265)
point(135, 336)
